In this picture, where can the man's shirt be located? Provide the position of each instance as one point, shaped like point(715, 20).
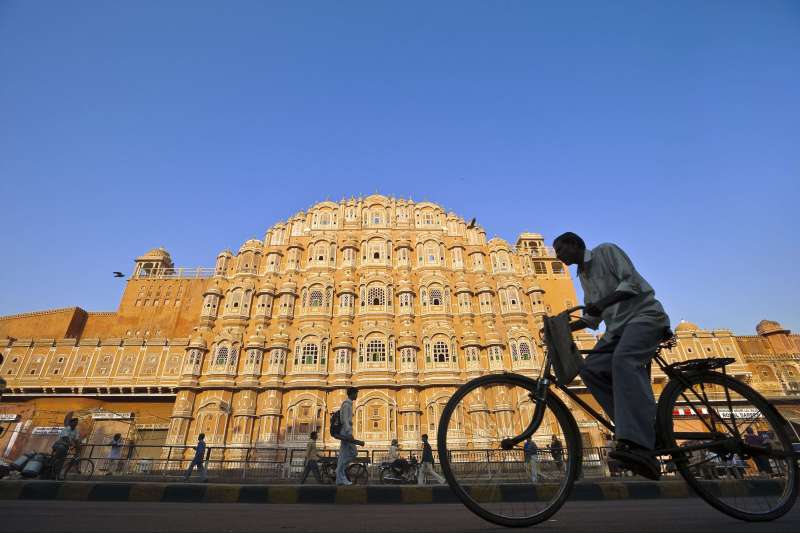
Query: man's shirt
point(69, 434)
point(346, 415)
point(312, 454)
point(427, 453)
point(394, 453)
point(607, 269)
point(200, 450)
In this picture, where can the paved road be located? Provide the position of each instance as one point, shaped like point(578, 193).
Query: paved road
point(684, 515)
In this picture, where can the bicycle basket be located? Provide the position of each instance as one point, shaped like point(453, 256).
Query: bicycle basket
point(567, 360)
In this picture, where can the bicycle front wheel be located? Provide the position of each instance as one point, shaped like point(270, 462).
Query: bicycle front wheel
point(507, 487)
point(748, 472)
point(80, 470)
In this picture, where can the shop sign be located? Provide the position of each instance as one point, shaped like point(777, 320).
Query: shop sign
point(46, 430)
point(9, 417)
point(112, 416)
point(741, 412)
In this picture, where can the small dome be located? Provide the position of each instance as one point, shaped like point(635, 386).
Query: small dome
point(462, 286)
point(256, 341)
point(156, 254)
point(686, 326)
point(349, 242)
point(496, 243)
point(197, 341)
point(493, 338)
point(533, 287)
point(266, 288)
point(288, 287)
point(279, 340)
point(251, 244)
point(768, 327)
point(407, 339)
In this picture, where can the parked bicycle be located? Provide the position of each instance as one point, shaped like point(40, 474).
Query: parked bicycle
point(356, 471)
point(713, 415)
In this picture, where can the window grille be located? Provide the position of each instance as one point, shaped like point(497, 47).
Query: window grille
point(440, 352)
point(310, 353)
point(376, 351)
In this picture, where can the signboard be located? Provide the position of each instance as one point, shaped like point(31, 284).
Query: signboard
point(46, 430)
point(112, 416)
point(9, 417)
point(742, 413)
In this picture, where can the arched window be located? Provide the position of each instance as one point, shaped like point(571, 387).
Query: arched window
point(310, 353)
point(436, 297)
point(324, 219)
point(316, 298)
point(222, 356)
point(377, 296)
point(376, 351)
point(440, 352)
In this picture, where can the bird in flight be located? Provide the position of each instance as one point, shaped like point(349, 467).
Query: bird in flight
point(119, 275)
point(471, 223)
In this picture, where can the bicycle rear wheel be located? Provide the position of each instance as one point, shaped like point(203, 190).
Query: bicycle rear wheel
point(498, 485)
point(80, 470)
point(740, 475)
point(357, 473)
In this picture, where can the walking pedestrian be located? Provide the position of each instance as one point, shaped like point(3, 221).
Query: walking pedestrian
point(531, 451)
point(114, 454)
point(347, 448)
point(198, 460)
point(557, 451)
point(751, 438)
point(311, 459)
point(427, 464)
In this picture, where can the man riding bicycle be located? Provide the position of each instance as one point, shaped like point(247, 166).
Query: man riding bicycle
point(68, 437)
point(618, 376)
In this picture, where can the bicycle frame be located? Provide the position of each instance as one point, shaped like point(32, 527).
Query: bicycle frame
point(712, 438)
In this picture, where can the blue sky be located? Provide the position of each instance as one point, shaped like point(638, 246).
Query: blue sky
point(670, 128)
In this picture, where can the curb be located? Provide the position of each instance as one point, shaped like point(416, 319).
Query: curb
point(326, 494)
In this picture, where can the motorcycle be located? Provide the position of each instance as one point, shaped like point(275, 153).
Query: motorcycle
point(398, 472)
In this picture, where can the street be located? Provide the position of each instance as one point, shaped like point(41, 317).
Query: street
point(683, 515)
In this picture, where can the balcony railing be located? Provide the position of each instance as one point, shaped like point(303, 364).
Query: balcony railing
point(175, 273)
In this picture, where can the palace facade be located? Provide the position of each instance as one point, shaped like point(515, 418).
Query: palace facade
point(399, 298)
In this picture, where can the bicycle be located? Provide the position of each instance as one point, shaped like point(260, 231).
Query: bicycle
point(703, 416)
point(76, 468)
point(355, 471)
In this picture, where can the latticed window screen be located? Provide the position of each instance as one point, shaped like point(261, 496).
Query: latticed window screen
point(310, 353)
point(436, 297)
point(441, 354)
point(316, 298)
point(222, 356)
point(376, 351)
point(524, 351)
point(376, 296)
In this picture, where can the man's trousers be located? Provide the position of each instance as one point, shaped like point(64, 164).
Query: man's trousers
point(620, 381)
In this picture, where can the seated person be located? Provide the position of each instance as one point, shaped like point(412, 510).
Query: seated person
point(619, 379)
